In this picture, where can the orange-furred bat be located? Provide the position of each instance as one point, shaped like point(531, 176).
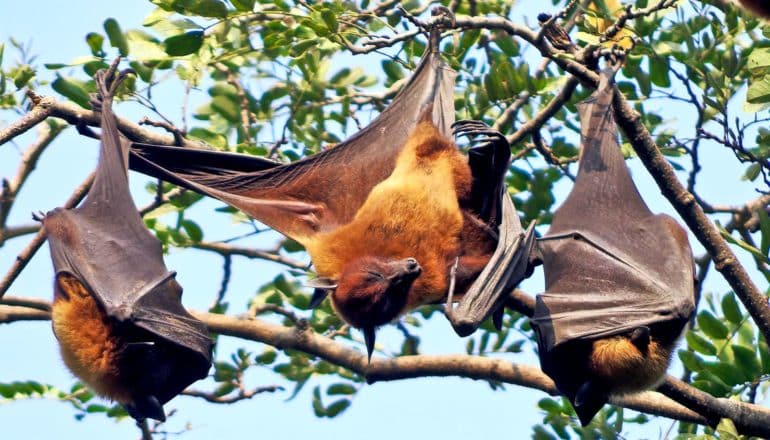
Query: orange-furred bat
point(392, 217)
point(618, 278)
point(117, 312)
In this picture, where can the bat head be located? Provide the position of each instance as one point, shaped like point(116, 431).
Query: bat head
point(372, 291)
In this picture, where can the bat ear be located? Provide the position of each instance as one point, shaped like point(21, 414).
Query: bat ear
point(324, 283)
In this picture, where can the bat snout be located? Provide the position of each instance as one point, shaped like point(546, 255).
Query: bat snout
point(407, 269)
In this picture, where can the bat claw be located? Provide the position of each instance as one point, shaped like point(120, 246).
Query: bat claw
point(38, 216)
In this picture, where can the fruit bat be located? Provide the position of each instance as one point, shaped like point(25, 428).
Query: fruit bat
point(758, 7)
point(393, 218)
point(618, 278)
point(117, 311)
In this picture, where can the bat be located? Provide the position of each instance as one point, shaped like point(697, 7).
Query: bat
point(393, 218)
point(758, 7)
point(117, 311)
point(618, 279)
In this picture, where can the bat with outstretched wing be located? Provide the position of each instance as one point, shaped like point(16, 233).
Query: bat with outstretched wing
point(618, 278)
point(394, 217)
point(117, 310)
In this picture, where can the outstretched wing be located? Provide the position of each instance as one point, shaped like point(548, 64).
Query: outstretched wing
point(320, 192)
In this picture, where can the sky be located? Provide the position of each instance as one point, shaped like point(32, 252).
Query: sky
point(450, 407)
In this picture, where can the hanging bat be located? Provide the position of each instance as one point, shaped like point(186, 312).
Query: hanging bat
point(117, 313)
point(618, 278)
point(757, 7)
point(393, 218)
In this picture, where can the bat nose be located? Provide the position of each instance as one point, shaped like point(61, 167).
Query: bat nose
point(412, 265)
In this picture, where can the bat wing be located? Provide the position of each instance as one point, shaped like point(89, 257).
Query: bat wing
point(322, 191)
point(610, 264)
point(104, 244)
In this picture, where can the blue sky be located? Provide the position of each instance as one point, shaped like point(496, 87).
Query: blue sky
point(451, 408)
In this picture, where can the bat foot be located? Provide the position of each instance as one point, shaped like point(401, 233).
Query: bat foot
point(640, 337)
point(146, 407)
point(470, 128)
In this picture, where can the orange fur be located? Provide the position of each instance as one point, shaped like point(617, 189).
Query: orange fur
point(413, 213)
point(87, 346)
point(619, 364)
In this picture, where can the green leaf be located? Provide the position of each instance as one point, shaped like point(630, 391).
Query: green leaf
point(183, 44)
point(700, 344)
point(330, 19)
point(193, 230)
point(115, 34)
point(22, 76)
point(244, 5)
point(727, 431)
point(691, 360)
point(95, 42)
point(659, 71)
point(341, 389)
point(747, 362)
point(711, 326)
point(72, 89)
point(337, 407)
point(204, 8)
point(226, 107)
point(730, 308)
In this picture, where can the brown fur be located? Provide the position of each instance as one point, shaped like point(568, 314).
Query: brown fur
point(85, 338)
point(416, 212)
point(623, 368)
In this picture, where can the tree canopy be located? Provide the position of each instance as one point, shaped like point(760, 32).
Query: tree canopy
point(283, 80)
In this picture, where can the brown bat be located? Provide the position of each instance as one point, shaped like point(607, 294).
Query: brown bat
point(618, 278)
point(393, 218)
point(758, 7)
point(117, 312)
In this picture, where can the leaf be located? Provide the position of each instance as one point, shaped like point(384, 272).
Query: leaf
point(711, 326)
point(204, 8)
point(22, 76)
point(95, 42)
point(730, 308)
point(72, 89)
point(700, 344)
point(727, 431)
point(330, 19)
point(340, 389)
point(337, 407)
point(226, 107)
point(244, 5)
point(691, 360)
point(183, 44)
point(747, 362)
point(193, 230)
point(115, 34)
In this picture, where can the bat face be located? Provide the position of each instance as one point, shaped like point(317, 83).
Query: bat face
point(373, 291)
point(117, 309)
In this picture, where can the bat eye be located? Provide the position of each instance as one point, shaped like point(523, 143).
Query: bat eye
point(376, 275)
